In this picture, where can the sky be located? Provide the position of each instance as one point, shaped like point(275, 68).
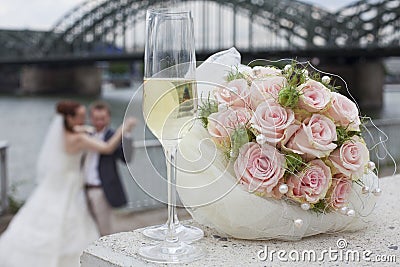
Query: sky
point(42, 14)
point(33, 14)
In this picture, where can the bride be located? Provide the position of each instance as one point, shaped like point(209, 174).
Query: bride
point(54, 226)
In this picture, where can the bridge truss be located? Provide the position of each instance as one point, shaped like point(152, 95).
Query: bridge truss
point(118, 27)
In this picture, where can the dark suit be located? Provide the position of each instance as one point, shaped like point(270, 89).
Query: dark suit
point(108, 171)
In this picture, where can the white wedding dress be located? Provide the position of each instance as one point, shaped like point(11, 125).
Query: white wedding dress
point(54, 226)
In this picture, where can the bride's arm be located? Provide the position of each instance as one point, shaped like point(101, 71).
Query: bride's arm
point(86, 142)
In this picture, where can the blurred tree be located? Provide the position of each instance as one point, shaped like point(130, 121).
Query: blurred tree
point(119, 68)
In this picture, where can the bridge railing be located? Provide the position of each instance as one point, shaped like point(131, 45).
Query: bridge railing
point(3, 177)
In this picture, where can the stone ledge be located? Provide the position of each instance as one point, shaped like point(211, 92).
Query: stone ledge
point(382, 237)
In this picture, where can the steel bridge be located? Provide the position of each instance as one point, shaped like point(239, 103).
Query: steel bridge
point(114, 29)
point(350, 41)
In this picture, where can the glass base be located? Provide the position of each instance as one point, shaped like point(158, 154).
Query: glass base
point(166, 252)
point(185, 233)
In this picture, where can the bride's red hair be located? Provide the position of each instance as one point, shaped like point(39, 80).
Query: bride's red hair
point(67, 108)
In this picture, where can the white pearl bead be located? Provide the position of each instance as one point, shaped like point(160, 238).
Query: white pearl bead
point(371, 165)
point(343, 210)
point(305, 72)
point(298, 223)
point(365, 190)
point(305, 206)
point(326, 80)
point(377, 192)
point(261, 139)
point(351, 213)
point(283, 188)
point(231, 154)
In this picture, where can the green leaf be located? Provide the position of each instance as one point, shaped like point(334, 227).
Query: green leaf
point(294, 163)
point(343, 135)
point(319, 207)
point(288, 97)
point(239, 137)
point(207, 107)
point(234, 74)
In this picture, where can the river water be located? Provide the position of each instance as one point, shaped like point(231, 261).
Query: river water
point(24, 121)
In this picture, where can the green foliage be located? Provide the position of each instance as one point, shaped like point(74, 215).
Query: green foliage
point(295, 75)
point(14, 205)
point(359, 182)
point(239, 137)
point(344, 135)
point(288, 97)
point(331, 86)
point(294, 163)
point(251, 134)
point(119, 68)
point(319, 207)
point(235, 74)
point(316, 76)
point(207, 107)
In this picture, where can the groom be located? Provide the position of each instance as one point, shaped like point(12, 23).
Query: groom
point(103, 185)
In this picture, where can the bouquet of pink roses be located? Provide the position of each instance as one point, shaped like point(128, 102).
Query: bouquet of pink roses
point(290, 135)
point(279, 153)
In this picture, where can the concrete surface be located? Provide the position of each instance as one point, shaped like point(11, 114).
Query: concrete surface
point(381, 239)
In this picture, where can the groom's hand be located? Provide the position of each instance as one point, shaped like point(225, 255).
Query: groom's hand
point(84, 129)
point(129, 124)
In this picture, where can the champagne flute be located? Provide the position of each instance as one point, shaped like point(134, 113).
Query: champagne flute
point(169, 108)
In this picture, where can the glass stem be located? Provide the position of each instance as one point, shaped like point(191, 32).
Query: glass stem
point(172, 222)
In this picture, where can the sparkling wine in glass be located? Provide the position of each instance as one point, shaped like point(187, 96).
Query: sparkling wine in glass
point(169, 109)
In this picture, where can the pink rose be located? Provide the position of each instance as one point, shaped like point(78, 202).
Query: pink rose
point(260, 167)
point(339, 191)
point(235, 93)
point(314, 96)
point(344, 112)
point(351, 158)
point(266, 88)
point(271, 120)
point(288, 134)
point(311, 184)
point(314, 138)
point(222, 123)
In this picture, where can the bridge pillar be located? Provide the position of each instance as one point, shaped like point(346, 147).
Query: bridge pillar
point(9, 79)
point(365, 80)
point(83, 80)
point(371, 79)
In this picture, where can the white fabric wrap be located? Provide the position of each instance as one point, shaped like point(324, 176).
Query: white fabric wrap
point(209, 188)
